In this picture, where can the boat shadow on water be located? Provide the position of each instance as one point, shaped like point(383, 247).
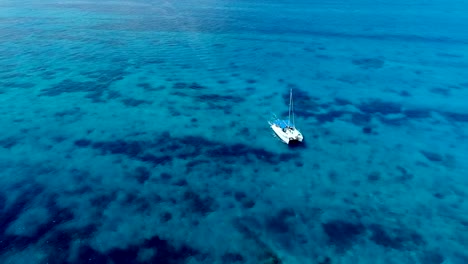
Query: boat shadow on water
point(297, 144)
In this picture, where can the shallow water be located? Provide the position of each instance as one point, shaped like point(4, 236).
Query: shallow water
point(136, 132)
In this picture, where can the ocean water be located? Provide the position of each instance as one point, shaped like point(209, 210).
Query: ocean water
point(136, 131)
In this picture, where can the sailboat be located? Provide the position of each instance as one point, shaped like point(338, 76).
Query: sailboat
point(285, 129)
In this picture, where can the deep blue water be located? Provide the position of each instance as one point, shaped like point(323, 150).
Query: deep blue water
point(136, 132)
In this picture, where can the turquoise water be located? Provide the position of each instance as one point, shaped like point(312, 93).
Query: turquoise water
point(136, 132)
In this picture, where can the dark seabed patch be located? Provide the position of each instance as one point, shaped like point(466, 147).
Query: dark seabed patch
point(189, 147)
point(369, 63)
point(142, 174)
point(396, 238)
point(27, 224)
point(213, 98)
point(404, 94)
point(131, 102)
point(440, 91)
point(188, 86)
point(20, 85)
point(309, 105)
point(212, 101)
point(10, 213)
point(153, 250)
point(232, 258)
point(148, 87)
point(342, 234)
point(198, 204)
point(403, 175)
point(70, 115)
point(373, 176)
point(3, 201)
point(449, 55)
point(432, 257)
point(417, 113)
point(389, 113)
point(111, 94)
point(280, 222)
point(244, 200)
point(342, 102)
point(375, 106)
point(329, 116)
point(458, 117)
point(9, 142)
point(393, 121)
point(360, 119)
point(367, 130)
point(247, 227)
point(92, 89)
point(432, 156)
point(191, 165)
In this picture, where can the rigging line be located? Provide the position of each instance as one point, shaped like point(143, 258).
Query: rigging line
point(290, 98)
point(292, 109)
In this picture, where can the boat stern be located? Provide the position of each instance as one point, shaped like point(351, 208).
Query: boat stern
point(300, 137)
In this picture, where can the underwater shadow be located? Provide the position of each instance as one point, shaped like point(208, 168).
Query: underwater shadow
point(297, 145)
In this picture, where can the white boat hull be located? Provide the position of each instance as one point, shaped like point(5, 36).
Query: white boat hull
point(285, 129)
point(287, 135)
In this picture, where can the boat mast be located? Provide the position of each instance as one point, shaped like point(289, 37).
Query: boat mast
point(290, 105)
point(292, 109)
